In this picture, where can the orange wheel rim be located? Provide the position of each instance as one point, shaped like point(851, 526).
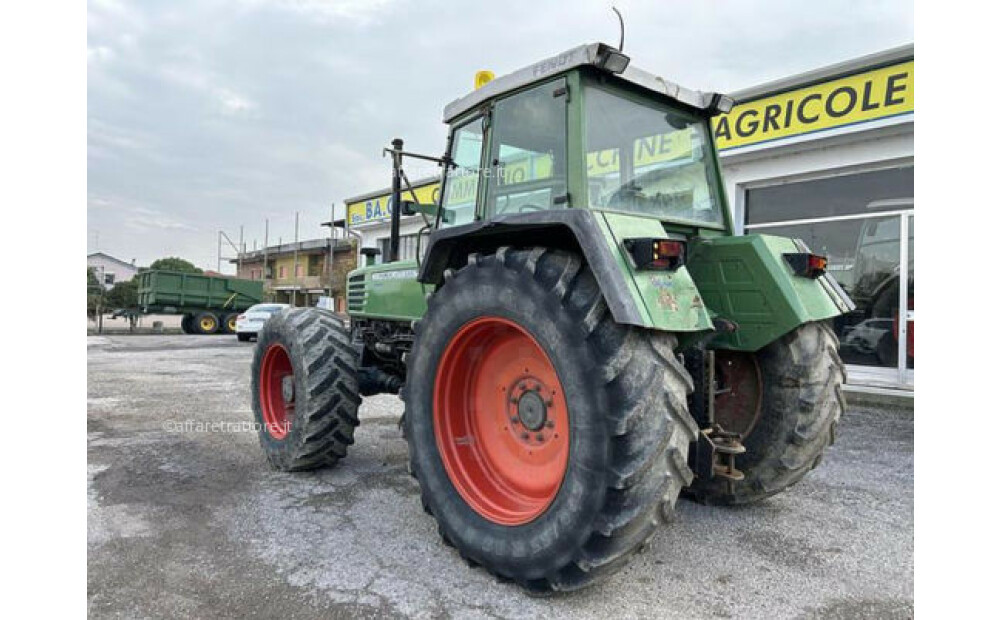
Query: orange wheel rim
point(277, 391)
point(501, 422)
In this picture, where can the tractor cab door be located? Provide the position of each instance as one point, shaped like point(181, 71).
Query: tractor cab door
point(511, 159)
point(527, 155)
point(461, 184)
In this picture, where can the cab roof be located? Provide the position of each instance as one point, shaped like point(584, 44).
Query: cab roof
point(594, 55)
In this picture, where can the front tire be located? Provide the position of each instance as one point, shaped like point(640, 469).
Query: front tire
point(552, 507)
point(801, 375)
point(305, 389)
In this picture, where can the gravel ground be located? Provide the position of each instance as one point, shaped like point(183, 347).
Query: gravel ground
point(185, 518)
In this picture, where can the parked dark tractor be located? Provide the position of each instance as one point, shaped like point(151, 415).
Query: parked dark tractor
point(583, 336)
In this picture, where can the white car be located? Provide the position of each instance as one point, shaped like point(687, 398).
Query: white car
point(252, 321)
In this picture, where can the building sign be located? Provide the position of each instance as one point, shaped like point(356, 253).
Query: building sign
point(380, 207)
point(867, 96)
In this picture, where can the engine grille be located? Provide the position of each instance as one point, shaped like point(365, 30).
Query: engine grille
point(356, 293)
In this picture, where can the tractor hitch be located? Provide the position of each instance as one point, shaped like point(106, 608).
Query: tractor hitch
point(715, 454)
point(715, 450)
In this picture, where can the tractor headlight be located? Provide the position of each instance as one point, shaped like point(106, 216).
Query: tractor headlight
point(610, 59)
point(722, 103)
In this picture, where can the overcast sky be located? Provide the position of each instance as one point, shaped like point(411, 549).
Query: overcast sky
point(207, 114)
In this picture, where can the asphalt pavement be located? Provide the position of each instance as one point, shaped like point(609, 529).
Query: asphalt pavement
point(186, 519)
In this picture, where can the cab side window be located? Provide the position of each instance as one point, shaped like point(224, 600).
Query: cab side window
point(528, 156)
point(462, 183)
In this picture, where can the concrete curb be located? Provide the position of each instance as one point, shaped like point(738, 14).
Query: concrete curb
point(879, 397)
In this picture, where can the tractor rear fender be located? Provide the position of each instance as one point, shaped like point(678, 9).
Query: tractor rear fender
point(746, 280)
point(659, 300)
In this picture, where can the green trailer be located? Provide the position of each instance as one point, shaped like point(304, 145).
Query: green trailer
point(210, 304)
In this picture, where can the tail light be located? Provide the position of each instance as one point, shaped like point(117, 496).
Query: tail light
point(806, 265)
point(656, 254)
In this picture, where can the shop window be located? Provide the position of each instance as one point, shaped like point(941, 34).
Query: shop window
point(863, 249)
point(855, 194)
point(316, 264)
point(407, 248)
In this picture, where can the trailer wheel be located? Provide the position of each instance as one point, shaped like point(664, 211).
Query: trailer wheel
point(549, 441)
point(305, 389)
point(228, 325)
point(800, 403)
point(186, 324)
point(205, 323)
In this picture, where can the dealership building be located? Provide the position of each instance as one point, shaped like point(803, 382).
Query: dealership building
point(825, 156)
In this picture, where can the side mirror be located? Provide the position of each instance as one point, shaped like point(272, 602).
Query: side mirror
point(413, 208)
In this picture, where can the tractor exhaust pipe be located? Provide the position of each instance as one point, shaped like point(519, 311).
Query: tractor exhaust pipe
point(397, 198)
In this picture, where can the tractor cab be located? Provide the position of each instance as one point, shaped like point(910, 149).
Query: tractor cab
point(583, 130)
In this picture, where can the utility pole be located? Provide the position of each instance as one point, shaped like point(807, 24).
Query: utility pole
point(265, 255)
point(295, 260)
point(240, 253)
point(223, 235)
point(333, 209)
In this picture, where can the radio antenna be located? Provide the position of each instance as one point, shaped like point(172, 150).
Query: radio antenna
point(621, 29)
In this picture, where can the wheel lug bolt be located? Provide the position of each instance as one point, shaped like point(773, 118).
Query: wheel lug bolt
point(524, 435)
point(548, 403)
point(514, 419)
point(549, 424)
point(540, 437)
point(522, 386)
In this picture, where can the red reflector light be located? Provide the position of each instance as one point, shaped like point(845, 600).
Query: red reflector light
point(806, 265)
point(663, 254)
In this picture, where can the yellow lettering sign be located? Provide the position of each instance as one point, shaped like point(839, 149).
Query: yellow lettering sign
point(866, 96)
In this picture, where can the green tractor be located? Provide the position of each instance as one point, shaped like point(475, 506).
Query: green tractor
point(583, 337)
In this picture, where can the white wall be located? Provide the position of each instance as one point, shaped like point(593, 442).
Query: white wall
point(102, 265)
point(859, 150)
point(372, 232)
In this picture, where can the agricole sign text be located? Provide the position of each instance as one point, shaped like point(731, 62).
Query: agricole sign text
point(857, 98)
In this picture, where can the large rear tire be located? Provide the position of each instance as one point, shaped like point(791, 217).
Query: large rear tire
point(305, 389)
point(801, 375)
point(549, 441)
